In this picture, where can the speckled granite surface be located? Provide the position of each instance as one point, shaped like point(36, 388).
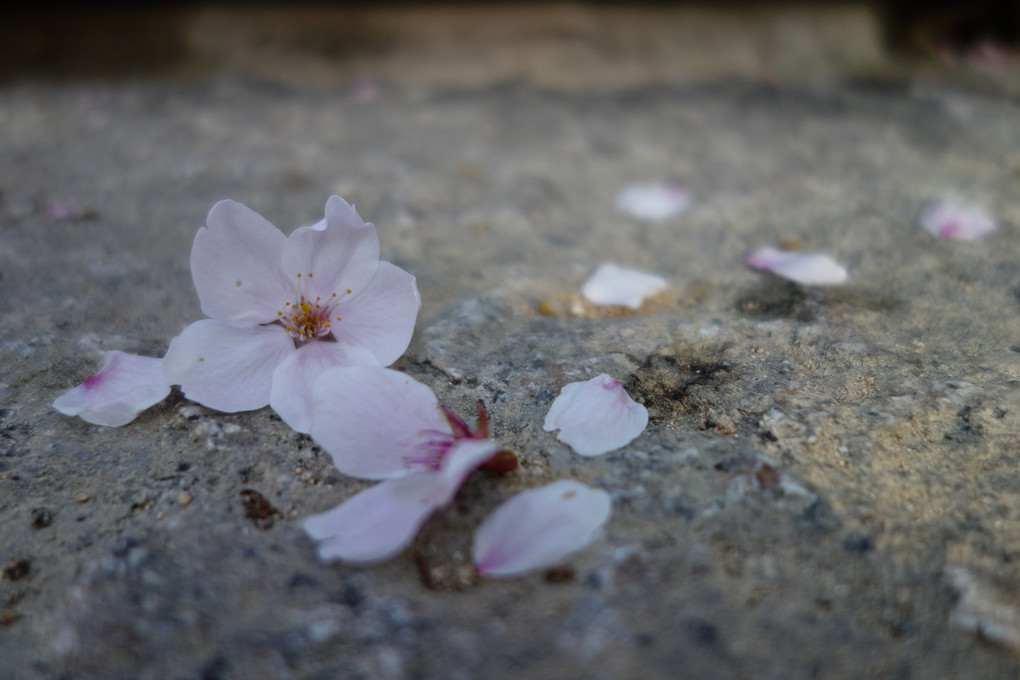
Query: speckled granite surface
point(828, 486)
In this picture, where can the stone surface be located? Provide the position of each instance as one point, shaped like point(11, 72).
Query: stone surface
point(828, 486)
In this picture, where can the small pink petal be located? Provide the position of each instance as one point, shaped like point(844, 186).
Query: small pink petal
point(125, 386)
point(235, 263)
point(291, 396)
point(380, 318)
point(342, 254)
point(652, 201)
point(956, 221)
point(614, 285)
point(811, 269)
point(596, 416)
point(539, 528)
point(380, 522)
point(226, 368)
point(369, 419)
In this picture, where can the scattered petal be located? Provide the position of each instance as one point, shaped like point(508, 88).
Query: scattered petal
point(539, 528)
point(596, 416)
point(126, 385)
point(614, 285)
point(68, 213)
point(652, 201)
point(956, 221)
point(810, 269)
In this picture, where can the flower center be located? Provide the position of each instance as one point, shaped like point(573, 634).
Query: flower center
point(307, 319)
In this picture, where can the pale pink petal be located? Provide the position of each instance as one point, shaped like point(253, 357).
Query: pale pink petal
point(956, 221)
point(293, 379)
point(614, 285)
point(125, 386)
point(370, 419)
point(226, 368)
point(811, 269)
point(235, 263)
point(538, 528)
point(381, 316)
point(652, 201)
point(342, 254)
point(596, 416)
point(377, 523)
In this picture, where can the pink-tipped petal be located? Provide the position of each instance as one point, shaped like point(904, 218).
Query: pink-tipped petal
point(226, 368)
point(381, 316)
point(342, 254)
point(125, 386)
point(955, 221)
point(235, 263)
point(377, 523)
point(293, 380)
point(370, 419)
point(539, 528)
point(596, 416)
point(652, 201)
point(614, 285)
point(810, 269)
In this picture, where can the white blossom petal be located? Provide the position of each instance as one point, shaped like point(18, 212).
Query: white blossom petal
point(235, 264)
point(596, 416)
point(615, 285)
point(378, 523)
point(293, 380)
point(125, 386)
point(652, 201)
point(381, 316)
point(539, 528)
point(810, 269)
point(956, 221)
point(226, 368)
point(342, 254)
point(369, 419)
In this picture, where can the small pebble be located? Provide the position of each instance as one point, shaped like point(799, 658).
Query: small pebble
point(83, 498)
point(41, 518)
point(184, 499)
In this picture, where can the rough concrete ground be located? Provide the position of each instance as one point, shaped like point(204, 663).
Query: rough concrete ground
point(828, 487)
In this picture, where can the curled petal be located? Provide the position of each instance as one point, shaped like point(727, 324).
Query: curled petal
point(341, 254)
point(811, 269)
point(235, 263)
point(652, 201)
point(291, 396)
point(596, 416)
point(614, 285)
point(226, 368)
point(125, 386)
point(378, 523)
point(955, 221)
point(381, 316)
point(370, 419)
point(539, 528)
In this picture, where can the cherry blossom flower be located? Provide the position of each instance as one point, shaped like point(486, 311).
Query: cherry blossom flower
point(377, 423)
point(284, 309)
point(378, 523)
point(652, 201)
point(615, 285)
point(956, 221)
point(126, 385)
point(538, 528)
point(596, 416)
point(811, 269)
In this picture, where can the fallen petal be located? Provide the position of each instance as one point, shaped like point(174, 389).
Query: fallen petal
point(369, 419)
point(652, 201)
point(955, 221)
point(614, 285)
point(539, 528)
point(810, 269)
point(126, 385)
point(596, 416)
